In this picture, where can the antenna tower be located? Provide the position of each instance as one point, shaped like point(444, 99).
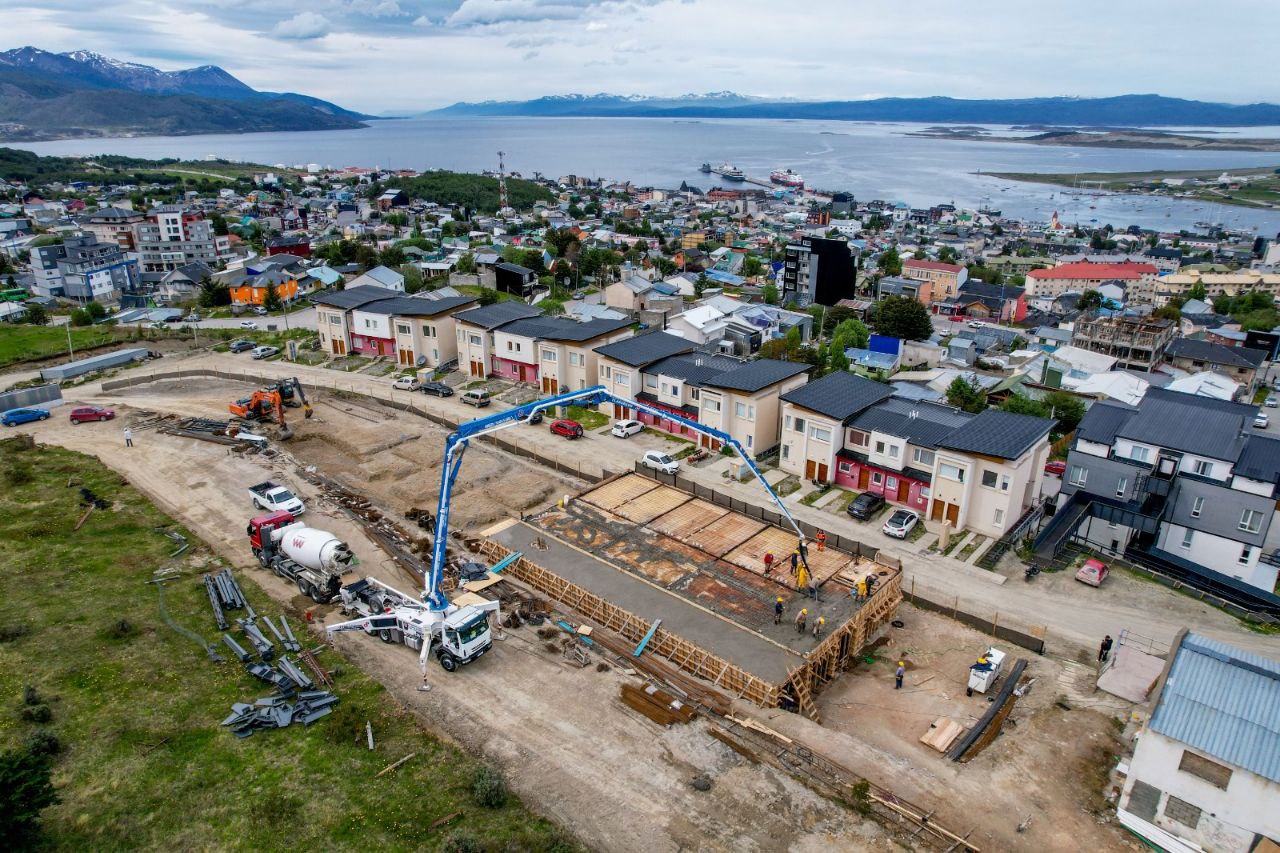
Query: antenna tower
point(502, 183)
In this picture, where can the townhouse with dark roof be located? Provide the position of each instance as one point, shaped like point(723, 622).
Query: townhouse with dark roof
point(554, 353)
point(1239, 364)
point(418, 331)
point(1179, 482)
point(980, 472)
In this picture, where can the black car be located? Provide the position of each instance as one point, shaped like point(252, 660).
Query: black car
point(439, 389)
point(241, 346)
point(865, 505)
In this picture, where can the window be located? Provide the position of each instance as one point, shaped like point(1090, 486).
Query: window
point(951, 472)
point(1196, 507)
point(651, 382)
point(786, 451)
point(1187, 536)
point(403, 329)
point(744, 411)
point(474, 340)
point(818, 433)
point(335, 320)
point(1251, 521)
point(786, 422)
point(1203, 468)
point(998, 518)
point(1077, 475)
point(693, 393)
point(845, 467)
point(924, 494)
point(608, 371)
point(922, 457)
point(799, 424)
point(1139, 454)
point(858, 437)
point(1181, 811)
point(893, 451)
point(1245, 553)
point(877, 478)
point(989, 479)
point(880, 447)
point(576, 360)
point(1122, 486)
point(549, 355)
point(368, 323)
point(1210, 771)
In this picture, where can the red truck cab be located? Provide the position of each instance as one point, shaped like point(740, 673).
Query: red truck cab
point(273, 520)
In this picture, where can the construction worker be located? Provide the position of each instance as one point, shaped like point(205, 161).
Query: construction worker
point(128, 437)
point(768, 563)
point(795, 561)
point(861, 588)
point(802, 579)
point(871, 585)
point(777, 611)
point(813, 587)
point(982, 665)
point(801, 618)
point(898, 674)
point(1104, 651)
point(822, 540)
point(818, 626)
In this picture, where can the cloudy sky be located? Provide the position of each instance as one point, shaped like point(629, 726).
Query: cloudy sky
point(403, 55)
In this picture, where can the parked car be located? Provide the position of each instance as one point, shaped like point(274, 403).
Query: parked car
point(264, 352)
point(626, 429)
point(569, 429)
point(1093, 572)
point(977, 324)
point(1056, 467)
point(659, 461)
point(1260, 420)
point(901, 523)
point(439, 389)
point(248, 324)
point(865, 505)
point(476, 397)
point(956, 318)
point(13, 417)
point(1270, 402)
point(406, 383)
point(534, 419)
point(240, 345)
point(91, 413)
point(260, 311)
point(193, 317)
point(272, 497)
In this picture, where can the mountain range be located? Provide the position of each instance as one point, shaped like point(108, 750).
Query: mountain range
point(46, 95)
point(1118, 111)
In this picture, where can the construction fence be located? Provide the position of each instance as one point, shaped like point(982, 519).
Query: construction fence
point(994, 625)
point(23, 397)
point(405, 401)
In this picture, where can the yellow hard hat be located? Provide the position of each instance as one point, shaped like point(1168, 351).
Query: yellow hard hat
point(822, 620)
point(901, 663)
point(779, 598)
point(804, 610)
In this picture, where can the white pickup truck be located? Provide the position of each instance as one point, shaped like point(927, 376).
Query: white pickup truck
point(273, 497)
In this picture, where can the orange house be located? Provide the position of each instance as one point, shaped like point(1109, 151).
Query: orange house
point(253, 290)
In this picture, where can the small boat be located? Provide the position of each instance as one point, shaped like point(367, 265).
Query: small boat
point(705, 167)
point(786, 177)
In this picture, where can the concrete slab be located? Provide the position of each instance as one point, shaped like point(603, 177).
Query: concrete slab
point(687, 519)
point(1132, 674)
point(726, 533)
point(617, 492)
point(652, 504)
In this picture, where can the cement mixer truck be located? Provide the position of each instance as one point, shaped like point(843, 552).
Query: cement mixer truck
point(313, 559)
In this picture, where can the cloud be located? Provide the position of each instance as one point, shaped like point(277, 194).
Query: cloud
point(597, 26)
point(473, 12)
point(377, 8)
point(304, 25)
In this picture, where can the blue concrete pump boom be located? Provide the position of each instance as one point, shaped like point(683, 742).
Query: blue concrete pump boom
point(456, 445)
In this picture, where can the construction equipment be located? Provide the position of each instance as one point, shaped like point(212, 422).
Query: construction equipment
point(984, 672)
point(313, 559)
point(464, 632)
point(268, 404)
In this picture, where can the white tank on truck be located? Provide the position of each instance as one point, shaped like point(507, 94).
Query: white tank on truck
point(313, 559)
point(315, 549)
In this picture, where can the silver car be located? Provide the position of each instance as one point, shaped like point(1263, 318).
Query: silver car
point(901, 523)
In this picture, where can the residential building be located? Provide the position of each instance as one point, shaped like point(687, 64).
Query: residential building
point(1180, 481)
point(182, 284)
point(920, 290)
point(554, 353)
point(817, 270)
point(420, 332)
point(976, 471)
point(1004, 303)
point(334, 314)
point(944, 279)
point(380, 276)
point(1239, 364)
point(1045, 285)
point(741, 398)
point(1215, 284)
point(297, 245)
point(251, 288)
point(85, 269)
point(173, 236)
point(1206, 764)
point(114, 225)
point(514, 279)
point(1015, 264)
point(1136, 342)
point(475, 333)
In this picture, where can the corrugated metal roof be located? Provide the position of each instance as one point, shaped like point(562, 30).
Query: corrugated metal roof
point(1224, 702)
point(838, 395)
point(996, 433)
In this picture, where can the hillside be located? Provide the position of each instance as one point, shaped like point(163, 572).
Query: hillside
point(1120, 111)
point(476, 192)
point(47, 95)
point(20, 166)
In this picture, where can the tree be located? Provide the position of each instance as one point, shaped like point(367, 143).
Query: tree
point(219, 223)
point(488, 296)
point(851, 333)
point(770, 294)
point(837, 361)
point(966, 395)
point(96, 310)
point(1197, 291)
point(1090, 300)
point(1020, 404)
point(413, 280)
point(902, 317)
point(392, 256)
point(271, 299)
point(212, 294)
point(890, 262)
point(1168, 312)
point(466, 264)
point(1067, 408)
point(25, 790)
point(700, 285)
point(36, 314)
point(751, 266)
point(947, 255)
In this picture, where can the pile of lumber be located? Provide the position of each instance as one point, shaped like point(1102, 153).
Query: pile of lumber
point(942, 734)
point(657, 704)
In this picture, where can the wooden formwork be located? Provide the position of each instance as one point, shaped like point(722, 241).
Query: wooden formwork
point(821, 665)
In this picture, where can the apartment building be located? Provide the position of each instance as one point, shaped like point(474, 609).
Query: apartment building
point(114, 225)
point(741, 398)
point(554, 353)
point(334, 314)
point(818, 270)
point(1178, 285)
point(172, 236)
point(944, 279)
point(1206, 764)
point(85, 269)
point(420, 332)
point(1044, 286)
point(1135, 342)
point(980, 472)
point(1180, 481)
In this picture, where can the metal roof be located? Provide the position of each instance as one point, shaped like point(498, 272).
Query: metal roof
point(839, 395)
point(1260, 459)
point(695, 368)
point(412, 306)
point(645, 349)
point(1190, 423)
point(563, 328)
point(354, 297)
point(756, 375)
point(492, 316)
point(1103, 420)
point(996, 433)
point(922, 424)
point(1224, 702)
point(1215, 353)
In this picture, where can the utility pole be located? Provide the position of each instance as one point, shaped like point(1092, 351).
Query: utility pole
point(69, 349)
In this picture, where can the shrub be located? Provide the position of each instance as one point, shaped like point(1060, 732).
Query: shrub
point(37, 713)
point(461, 841)
point(43, 742)
point(488, 788)
point(9, 633)
point(17, 472)
point(31, 696)
point(25, 790)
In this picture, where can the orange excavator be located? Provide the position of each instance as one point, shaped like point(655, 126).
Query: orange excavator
point(268, 404)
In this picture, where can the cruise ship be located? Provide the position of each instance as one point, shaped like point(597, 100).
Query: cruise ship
point(786, 177)
point(731, 173)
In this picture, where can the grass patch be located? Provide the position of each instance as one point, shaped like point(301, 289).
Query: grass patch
point(349, 363)
point(137, 706)
point(1260, 396)
point(973, 544)
point(814, 496)
point(19, 343)
point(951, 546)
point(589, 418)
point(841, 504)
point(917, 533)
point(787, 486)
point(477, 290)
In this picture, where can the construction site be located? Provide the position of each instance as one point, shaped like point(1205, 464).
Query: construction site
point(642, 682)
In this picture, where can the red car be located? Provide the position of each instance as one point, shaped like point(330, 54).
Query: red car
point(956, 318)
point(569, 429)
point(1093, 572)
point(91, 413)
point(1057, 468)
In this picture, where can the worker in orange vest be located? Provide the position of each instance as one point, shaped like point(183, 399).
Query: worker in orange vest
point(822, 539)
